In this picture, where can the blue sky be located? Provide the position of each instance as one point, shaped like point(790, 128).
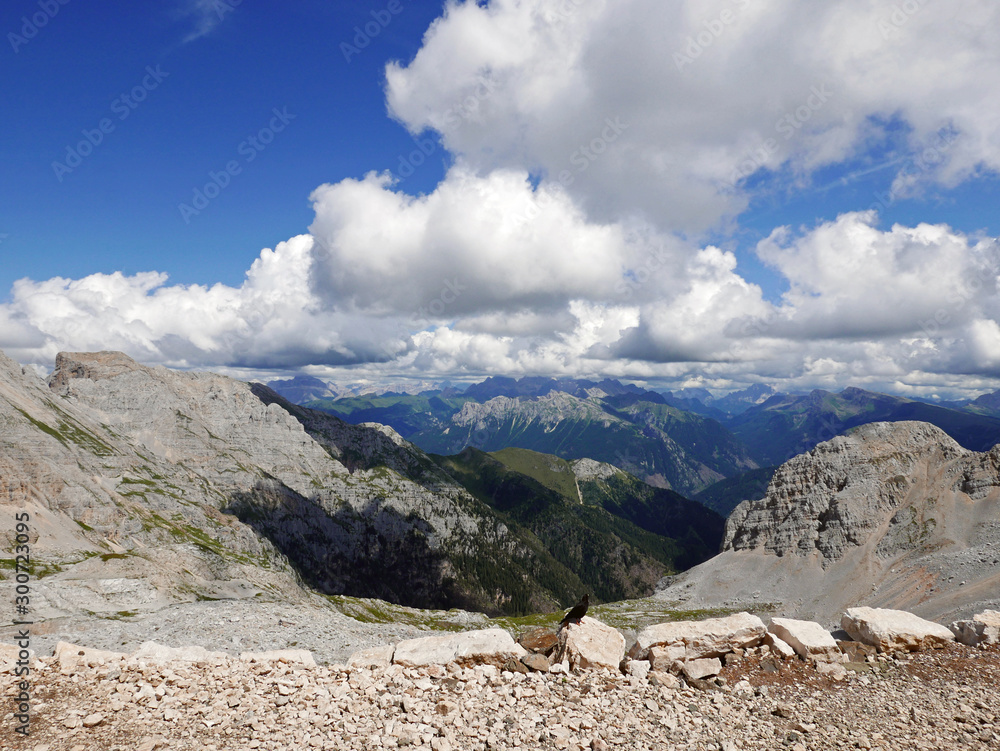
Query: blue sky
point(693, 194)
point(118, 210)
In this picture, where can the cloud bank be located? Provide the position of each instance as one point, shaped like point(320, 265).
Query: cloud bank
point(593, 143)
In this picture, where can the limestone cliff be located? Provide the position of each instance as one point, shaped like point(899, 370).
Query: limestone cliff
point(889, 515)
point(147, 486)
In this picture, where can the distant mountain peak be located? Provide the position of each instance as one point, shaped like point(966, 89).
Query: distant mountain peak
point(94, 366)
point(739, 401)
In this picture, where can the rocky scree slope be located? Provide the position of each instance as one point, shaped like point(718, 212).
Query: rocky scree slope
point(148, 487)
point(891, 515)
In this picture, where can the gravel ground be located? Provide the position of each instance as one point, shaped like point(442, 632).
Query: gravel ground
point(941, 699)
point(231, 626)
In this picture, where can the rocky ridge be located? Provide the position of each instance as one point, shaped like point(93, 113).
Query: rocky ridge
point(889, 515)
point(148, 487)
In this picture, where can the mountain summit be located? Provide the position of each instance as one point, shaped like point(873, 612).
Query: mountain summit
point(894, 515)
point(179, 486)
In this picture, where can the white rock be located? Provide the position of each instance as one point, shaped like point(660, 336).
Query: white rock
point(666, 680)
point(743, 687)
point(983, 628)
point(666, 658)
point(492, 645)
point(890, 630)
point(833, 669)
point(779, 646)
point(704, 667)
point(712, 637)
point(372, 658)
point(638, 669)
point(73, 656)
point(809, 639)
point(150, 651)
point(991, 622)
point(591, 644)
point(288, 656)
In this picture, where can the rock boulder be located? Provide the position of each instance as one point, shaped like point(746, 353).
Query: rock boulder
point(590, 644)
point(809, 640)
point(373, 657)
point(706, 667)
point(150, 651)
point(73, 657)
point(712, 637)
point(779, 646)
point(893, 630)
point(983, 628)
point(492, 646)
point(541, 640)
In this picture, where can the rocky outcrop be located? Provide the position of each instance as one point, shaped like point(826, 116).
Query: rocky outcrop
point(492, 646)
point(809, 639)
point(147, 487)
point(835, 496)
point(712, 637)
point(590, 644)
point(893, 515)
point(893, 630)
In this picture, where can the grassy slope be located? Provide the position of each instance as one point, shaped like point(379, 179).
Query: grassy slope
point(551, 471)
point(614, 558)
point(608, 538)
point(406, 414)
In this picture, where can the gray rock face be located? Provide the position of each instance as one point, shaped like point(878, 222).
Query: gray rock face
point(588, 469)
point(836, 495)
point(893, 515)
point(148, 486)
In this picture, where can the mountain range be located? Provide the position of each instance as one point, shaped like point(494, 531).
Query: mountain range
point(684, 440)
point(895, 515)
point(147, 486)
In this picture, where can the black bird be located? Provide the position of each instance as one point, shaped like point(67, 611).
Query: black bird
point(577, 612)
